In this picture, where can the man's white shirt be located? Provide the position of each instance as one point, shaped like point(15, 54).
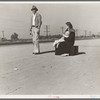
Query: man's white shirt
point(34, 15)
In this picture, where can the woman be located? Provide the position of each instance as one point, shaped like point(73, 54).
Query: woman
point(62, 47)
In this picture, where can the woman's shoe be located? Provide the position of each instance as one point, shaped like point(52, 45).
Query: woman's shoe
point(63, 55)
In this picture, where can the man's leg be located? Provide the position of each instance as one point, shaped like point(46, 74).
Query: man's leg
point(36, 46)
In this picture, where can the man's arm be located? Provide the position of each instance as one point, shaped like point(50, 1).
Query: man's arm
point(40, 21)
point(31, 24)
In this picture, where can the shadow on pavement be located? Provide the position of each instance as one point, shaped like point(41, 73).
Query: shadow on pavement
point(47, 52)
point(79, 53)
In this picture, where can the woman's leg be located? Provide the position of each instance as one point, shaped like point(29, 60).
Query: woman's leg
point(55, 42)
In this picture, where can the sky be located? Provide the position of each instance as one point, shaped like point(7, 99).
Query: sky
point(15, 17)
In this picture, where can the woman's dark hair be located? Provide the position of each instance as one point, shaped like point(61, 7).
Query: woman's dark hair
point(69, 24)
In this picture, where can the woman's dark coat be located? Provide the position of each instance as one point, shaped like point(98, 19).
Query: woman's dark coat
point(64, 47)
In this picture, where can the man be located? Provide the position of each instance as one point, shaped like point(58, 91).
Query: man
point(36, 21)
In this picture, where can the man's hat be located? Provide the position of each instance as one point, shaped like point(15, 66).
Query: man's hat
point(34, 8)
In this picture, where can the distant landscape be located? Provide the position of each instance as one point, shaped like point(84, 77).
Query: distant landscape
point(43, 39)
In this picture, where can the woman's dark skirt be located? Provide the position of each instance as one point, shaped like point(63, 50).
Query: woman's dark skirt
point(63, 47)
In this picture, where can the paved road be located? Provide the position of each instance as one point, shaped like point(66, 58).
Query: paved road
point(23, 73)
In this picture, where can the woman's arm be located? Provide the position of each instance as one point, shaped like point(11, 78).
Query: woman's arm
point(65, 36)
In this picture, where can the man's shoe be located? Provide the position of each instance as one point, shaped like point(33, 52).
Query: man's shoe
point(36, 53)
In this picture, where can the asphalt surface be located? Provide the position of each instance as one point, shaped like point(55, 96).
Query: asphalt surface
point(23, 73)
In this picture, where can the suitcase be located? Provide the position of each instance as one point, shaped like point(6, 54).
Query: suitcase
point(73, 51)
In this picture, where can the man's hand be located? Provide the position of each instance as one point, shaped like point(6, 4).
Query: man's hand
point(30, 33)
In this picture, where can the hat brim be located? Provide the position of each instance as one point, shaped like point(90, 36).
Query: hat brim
point(34, 9)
